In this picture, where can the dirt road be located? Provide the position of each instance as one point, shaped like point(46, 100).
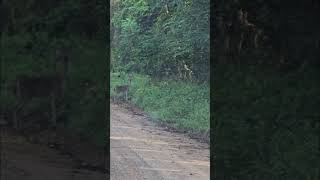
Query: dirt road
point(23, 160)
point(142, 150)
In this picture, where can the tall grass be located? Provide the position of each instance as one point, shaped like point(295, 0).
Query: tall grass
point(182, 105)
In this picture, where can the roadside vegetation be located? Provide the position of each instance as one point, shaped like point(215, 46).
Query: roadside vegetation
point(31, 33)
point(266, 90)
point(182, 105)
point(164, 46)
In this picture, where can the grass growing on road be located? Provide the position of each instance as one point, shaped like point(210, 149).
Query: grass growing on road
point(180, 104)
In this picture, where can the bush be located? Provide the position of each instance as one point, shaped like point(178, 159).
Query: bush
point(182, 105)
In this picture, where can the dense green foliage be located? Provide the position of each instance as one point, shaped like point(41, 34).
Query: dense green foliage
point(180, 104)
point(158, 37)
point(166, 45)
point(266, 124)
point(57, 18)
point(266, 99)
point(31, 33)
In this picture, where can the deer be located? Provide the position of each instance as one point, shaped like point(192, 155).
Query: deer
point(124, 88)
point(237, 33)
point(51, 85)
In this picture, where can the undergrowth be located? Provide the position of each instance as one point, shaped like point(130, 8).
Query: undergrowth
point(267, 122)
point(182, 105)
point(85, 95)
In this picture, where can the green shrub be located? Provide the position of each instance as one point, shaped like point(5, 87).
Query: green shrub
point(181, 104)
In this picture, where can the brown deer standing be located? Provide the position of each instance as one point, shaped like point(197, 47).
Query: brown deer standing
point(124, 88)
point(235, 34)
point(53, 86)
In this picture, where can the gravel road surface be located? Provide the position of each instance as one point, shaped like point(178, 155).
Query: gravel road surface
point(140, 149)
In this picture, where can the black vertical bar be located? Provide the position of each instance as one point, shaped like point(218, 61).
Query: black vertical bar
point(212, 121)
point(107, 94)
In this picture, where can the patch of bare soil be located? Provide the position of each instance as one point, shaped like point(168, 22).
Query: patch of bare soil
point(22, 158)
point(140, 149)
point(205, 138)
point(81, 150)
